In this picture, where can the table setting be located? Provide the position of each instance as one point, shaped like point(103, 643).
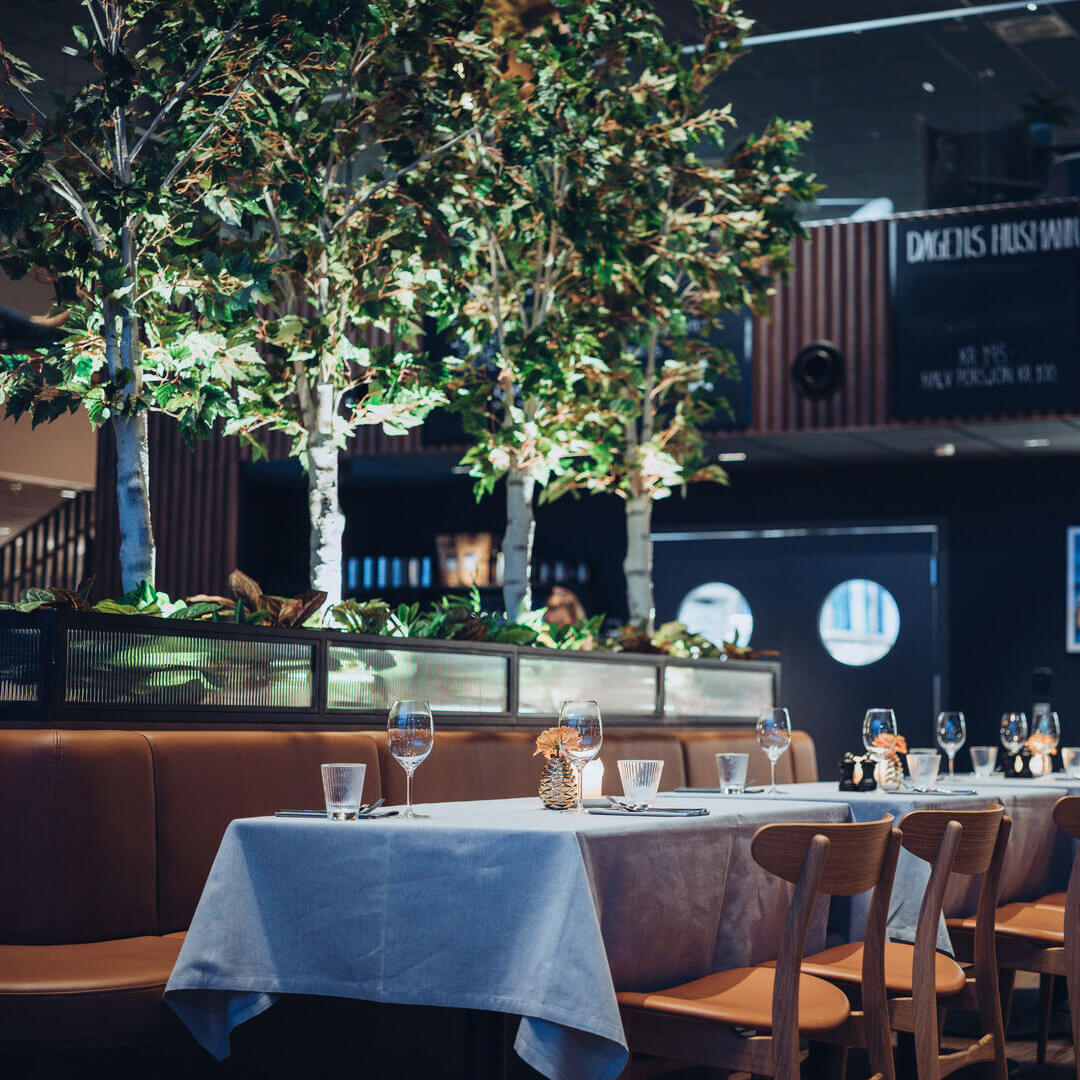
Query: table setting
point(499, 905)
point(543, 906)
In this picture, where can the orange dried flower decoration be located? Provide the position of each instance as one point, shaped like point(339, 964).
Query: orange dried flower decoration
point(1041, 743)
point(898, 745)
point(551, 741)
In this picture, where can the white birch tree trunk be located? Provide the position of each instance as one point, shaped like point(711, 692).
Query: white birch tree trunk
point(637, 566)
point(138, 553)
point(326, 521)
point(518, 543)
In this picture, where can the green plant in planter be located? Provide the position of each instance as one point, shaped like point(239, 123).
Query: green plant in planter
point(101, 195)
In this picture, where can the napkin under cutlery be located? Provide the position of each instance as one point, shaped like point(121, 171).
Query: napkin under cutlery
point(652, 811)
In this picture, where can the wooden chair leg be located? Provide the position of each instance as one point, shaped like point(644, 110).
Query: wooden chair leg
point(1006, 982)
point(989, 999)
point(1046, 1007)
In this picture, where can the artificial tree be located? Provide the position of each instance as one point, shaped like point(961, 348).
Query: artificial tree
point(345, 206)
point(524, 370)
point(102, 197)
point(681, 236)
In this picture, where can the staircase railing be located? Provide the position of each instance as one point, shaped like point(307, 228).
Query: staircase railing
point(55, 550)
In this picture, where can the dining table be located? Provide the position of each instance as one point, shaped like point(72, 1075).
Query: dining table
point(504, 906)
point(496, 905)
point(1037, 859)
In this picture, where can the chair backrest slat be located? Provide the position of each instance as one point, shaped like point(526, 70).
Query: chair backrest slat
point(924, 829)
point(852, 864)
point(1067, 815)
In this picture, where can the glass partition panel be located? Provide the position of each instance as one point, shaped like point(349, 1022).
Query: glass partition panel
point(721, 693)
point(545, 682)
point(107, 667)
point(365, 679)
point(20, 663)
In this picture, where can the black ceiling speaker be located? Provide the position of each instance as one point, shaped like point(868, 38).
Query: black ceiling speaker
point(818, 370)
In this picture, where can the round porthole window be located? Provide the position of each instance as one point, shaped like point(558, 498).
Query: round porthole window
point(717, 611)
point(859, 622)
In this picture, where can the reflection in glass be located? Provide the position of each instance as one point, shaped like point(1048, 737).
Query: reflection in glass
point(363, 678)
point(547, 681)
point(719, 612)
point(859, 622)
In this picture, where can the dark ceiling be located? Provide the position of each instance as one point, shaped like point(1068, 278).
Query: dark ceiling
point(863, 92)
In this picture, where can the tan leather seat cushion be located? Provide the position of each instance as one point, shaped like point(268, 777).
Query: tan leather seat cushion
point(798, 765)
point(659, 745)
point(1033, 921)
point(102, 990)
point(468, 765)
point(844, 964)
point(743, 998)
point(77, 848)
point(205, 779)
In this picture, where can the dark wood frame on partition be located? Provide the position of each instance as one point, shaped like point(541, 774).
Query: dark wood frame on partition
point(51, 710)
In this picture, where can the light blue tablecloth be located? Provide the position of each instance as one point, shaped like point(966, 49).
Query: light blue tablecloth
point(1037, 860)
point(495, 905)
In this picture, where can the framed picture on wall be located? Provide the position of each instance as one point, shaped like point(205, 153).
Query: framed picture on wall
point(1072, 589)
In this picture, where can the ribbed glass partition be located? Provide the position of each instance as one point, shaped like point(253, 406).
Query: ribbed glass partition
point(20, 663)
point(363, 679)
point(621, 688)
point(113, 667)
point(719, 693)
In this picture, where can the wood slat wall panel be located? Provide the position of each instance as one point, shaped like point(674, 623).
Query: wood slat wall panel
point(838, 291)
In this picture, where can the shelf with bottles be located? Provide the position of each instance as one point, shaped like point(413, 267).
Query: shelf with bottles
point(372, 575)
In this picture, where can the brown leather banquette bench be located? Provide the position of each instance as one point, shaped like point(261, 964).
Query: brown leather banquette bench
point(108, 837)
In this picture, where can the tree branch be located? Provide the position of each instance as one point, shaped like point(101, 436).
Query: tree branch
point(222, 108)
point(176, 95)
point(357, 203)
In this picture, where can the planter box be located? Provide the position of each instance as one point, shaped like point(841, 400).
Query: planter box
point(62, 669)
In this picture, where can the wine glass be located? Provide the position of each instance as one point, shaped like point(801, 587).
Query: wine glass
point(951, 733)
point(1014, 731)
point(774, 737)
point(409, 735)
point(582, 742)
point(879, 733)
point(1046, 733)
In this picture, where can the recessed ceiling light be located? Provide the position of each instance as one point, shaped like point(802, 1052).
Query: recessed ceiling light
point(1033, 7)
point(69, 50)
point(945, 449)
point(928, 87)
point(731, 455)
point(68, 493)
point(1034, 444)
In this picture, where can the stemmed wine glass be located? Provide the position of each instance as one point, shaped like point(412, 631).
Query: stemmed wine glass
point(1046, 728)
point(879, 733)
point(951, 733)
point(774, 737)
point(1014, 731)
point(409, 735)
point(583, 719)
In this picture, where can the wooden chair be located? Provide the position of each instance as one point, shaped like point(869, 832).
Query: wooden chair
point(705, 1022)
point(921, 982)
point(1042, 936)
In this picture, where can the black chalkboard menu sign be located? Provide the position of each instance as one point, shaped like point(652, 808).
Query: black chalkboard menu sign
point(986, 312)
